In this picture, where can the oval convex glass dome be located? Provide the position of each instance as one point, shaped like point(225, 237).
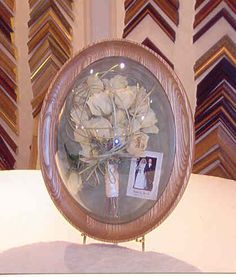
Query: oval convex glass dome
point(115, 149)
point(116, 140)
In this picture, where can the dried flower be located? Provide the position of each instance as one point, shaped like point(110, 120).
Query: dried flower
point(100, 103)
point(81, 135)
point(141, 104)
point(74, 183)
point(135, 125)
point(107, 84)
point(79, 92)
point(79, 114)
point(137, 144)
point(124, 97)
point(95, 85)
point(88, 150)
point(99, 128)
point(118, 82)
point(151, 130)
point(119, 123)
point(115, 119)
point(147, 120)
point(120, 116)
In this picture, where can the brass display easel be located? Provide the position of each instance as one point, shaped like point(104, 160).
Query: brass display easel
point(140, 239)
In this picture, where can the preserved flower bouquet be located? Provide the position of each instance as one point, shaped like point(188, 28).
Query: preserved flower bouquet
point(111, 120)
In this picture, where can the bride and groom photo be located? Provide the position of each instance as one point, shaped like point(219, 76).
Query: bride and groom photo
point(144, 176)
point(144, 173)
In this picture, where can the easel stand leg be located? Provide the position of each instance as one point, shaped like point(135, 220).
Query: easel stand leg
point(142, 240)
point(84, 238)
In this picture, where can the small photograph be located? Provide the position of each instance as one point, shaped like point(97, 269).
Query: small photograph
point(144, 176)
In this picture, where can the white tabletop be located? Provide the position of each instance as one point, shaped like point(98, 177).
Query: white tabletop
point(199, 235)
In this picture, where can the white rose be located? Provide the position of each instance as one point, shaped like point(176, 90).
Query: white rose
point(81, 135)
point(124, 98)
point(99, 128)
point(107, 84)
point(88, 150)
point(80, 91)
point(137, 144)
point(135, 125)
point(120, 117)
point(100, 104)
point(141, 104)
point(147, 120)
point(118, 82)
point(95, 85)
point(120, 129)
point(151, 130)
point(74, 183)
point(79, 114)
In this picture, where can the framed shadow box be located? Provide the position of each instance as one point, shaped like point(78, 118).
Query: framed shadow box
point(116, 140)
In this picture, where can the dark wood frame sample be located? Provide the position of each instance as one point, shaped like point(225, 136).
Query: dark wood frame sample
point(147, 42)
point(8, 86)
point(48, 133)
point(209, 7)
point(133, 18)
point(224, 13)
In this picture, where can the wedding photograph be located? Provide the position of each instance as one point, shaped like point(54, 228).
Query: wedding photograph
point(144, 176)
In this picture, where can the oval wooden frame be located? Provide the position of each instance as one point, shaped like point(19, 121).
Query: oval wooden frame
point(182, 166)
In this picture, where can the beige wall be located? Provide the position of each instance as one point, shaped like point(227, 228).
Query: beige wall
point(24, 85)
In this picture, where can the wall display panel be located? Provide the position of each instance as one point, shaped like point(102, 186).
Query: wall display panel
point(49, 45)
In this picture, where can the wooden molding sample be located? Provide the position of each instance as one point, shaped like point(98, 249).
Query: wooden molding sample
point(224, 70)
point(198, 3)
point(209, 7)
point(155, 15)
point(223, 91)
point(216, 149)
point(45, 6)
point(47, 50)
point(174, 3)
point(223, 13)
point(215, 117)
point(7, 45)
point(9, 107)
point(221, 107)
point(147, 42)
point(49, 29)
point(169, 9)
point(5, 136)
point(166, 6)
point(10, 4)
point(128, 3)
point(49, 47)
point(41, 85)
point(66, 5)
point(49, 44)
point(7, 160)
point(5, 16)
point(8, 66)
point(219, 116)
point(8, 87)
point(225, 47)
